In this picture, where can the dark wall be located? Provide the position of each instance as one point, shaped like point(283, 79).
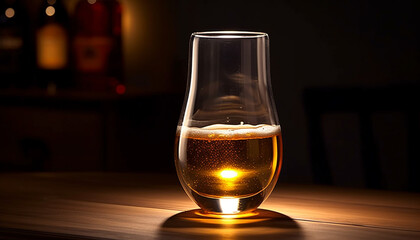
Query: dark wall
point(314, 44)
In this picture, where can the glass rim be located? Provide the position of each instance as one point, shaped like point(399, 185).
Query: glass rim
point(229, 34)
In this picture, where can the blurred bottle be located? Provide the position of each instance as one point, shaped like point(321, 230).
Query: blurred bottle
point(15, 57)
point(116, 63)
point(52, 46)
point(97, 45)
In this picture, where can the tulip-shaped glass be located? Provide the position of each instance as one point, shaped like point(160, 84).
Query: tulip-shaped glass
point(228, 149)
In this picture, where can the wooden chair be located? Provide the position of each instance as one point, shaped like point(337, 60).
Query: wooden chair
point(363, 104)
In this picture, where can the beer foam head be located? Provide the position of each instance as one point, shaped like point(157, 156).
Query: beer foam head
point(226, 131)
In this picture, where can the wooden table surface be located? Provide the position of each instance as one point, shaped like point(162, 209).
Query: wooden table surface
point(154, 206)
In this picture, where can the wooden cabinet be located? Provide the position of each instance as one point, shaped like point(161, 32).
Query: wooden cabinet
point(87, 132)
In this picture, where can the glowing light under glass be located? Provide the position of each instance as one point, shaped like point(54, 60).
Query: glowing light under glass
point(229, 205)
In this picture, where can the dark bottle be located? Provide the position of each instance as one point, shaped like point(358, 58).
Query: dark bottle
point(97, 45)
point(52, 46)
point(15, 57)
point(116, 62)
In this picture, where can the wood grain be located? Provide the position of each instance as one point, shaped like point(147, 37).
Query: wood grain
point(154, 206)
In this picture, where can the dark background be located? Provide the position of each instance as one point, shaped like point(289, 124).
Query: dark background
point(345, 76)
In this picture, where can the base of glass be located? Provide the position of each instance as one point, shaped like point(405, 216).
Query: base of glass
point(225, 206)
point(241, 215)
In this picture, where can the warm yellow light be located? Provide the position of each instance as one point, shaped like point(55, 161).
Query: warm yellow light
point(91, 1)
point(10, 12)
point(229, 174)
point(229, 206)
point(50, 10)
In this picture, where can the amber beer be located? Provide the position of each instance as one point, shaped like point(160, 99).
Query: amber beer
point(233, 164)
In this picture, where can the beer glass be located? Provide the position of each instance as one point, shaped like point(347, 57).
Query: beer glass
point(228, 148)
